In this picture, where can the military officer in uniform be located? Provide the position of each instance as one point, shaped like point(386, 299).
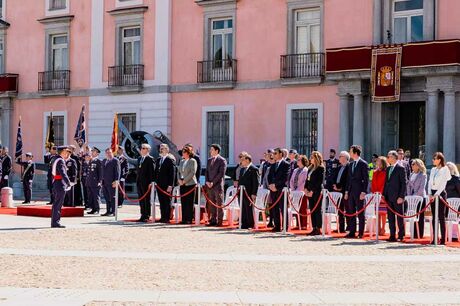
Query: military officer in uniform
point(123, 173)
point(77, 198)
point(332, 168)
point(61, 184)
point(6, 168)
point(111, 176)
point(27, 176)
point(72, 169)
point(48, 159)
point(94, 181)
point(84, 174)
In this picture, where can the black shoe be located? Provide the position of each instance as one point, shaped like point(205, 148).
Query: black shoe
point(443, 242)
point(58, 226)
point(360, 236)
point(276, 230)
point(400, 239)
point(26, 202)
point(392, 239)
point(350, 236)
point(93, 212)
point(49, 203)
point(212, 223)
point(454, 239)
point(270, 225)
point(106, 214)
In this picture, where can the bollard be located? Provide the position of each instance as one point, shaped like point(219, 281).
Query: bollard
point(285, 210)
point(116, 200)
point(323, 212)
point(152, 201)
point(198, 206)
point(241, 207)
point(378, 197)
point(436, 220)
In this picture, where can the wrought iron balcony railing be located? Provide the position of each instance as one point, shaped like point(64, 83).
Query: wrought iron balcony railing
point(302, 65)
point(129, 75)
point(217, 71)
point(56, 80)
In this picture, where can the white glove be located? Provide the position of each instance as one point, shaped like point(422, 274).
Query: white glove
point(30, 181)
point(122, 180)
point(67, 189)
point(5, 177)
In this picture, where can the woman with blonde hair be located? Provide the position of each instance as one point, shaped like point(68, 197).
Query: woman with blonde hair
point(378, 182)
point(416, 186)
point(313, 189)
point(297, 183)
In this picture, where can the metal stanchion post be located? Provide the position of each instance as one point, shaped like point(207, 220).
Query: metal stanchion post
point(436, 220)
point(377, 217)
point(116, 200)
point(152, 201)
point(198, 206)
point(323, 212)
point(285, 210)
point(241, 207)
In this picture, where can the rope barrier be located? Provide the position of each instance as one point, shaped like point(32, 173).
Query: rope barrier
point(311, 210)
point(219, 206)
point(408, 217)
point(266, 208)
point(347, 214)
point(448, 206)
point(174, 196)
point(125, 196)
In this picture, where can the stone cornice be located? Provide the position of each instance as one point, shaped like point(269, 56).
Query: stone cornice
point(128, 10)
point(207, 3)
point(56, 19)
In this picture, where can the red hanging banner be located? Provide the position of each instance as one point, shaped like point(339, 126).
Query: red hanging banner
point(386, 74)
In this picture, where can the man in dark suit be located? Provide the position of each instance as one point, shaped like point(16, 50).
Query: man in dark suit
point(358, 181)
point(404, 163)
point(124, 169)
point(77, 189)
point(394, 192)
point(215, 176)
point(249, 178)
point(61, 184)
point(165, 172)
point(6, 168)
point(277, 180)
point(145, 177)
point(339, 184)
point(110, 178)
point(94, 181)
point(27, 176)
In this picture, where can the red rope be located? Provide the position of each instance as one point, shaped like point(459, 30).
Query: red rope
point(263, 209)
point(311, 210)
point(174, 196)
point(354, 214)
point(408, 217)
point(219, 206)
point(448, 206)
point(135, 200)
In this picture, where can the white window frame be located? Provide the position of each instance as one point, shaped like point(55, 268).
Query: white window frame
point(63, 11)
point(204, 131)
point(45, 125)
point(314, 106)
point(60, 47)
point(308, 24)
point(221, 32)
point(125, 3)
point(407, 15)
point(131, 40)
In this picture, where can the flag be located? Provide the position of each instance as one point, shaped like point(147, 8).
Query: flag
point(50, 133)
point(18, 141)
point(80, 132)
point(115, 143)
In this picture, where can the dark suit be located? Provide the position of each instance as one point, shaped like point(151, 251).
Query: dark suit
point(341, 184)
point(314, 183)
point(278, 175)
point(77, 189)
point(111, 173)
point(5, 173)
point(94, 183)
point(48, 159)
point(332, 168)
point(145, 177)
point(60, 183)
point(124, 169)
point(358, 181)
point(215, 173)
point(395, 187)
point(249, 178)
point(84, 175)
point(72, 172)
point(165, 172)
point(27, 179)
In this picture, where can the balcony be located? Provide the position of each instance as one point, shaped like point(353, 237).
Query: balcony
point(307, 68)
point(129, 78)
point(54, 83)
point(9, 85)
point(217, 74)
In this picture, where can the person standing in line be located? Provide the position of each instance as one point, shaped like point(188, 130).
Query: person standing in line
point(249, 178)
point(6, 168)
point(358, 183)
point(340, 184)
point(72, 168)
point(77, 189)
point(27, 176)
point(124, 169)
point(84, 175)
point(439, 176)
point(48, 159)
point(215, 176)
point(403, 162)
point(416, 186)
point(453, 191)
point(332, 166)
point(164, 178)
point(187, 182)
point(377, 185)
point(94, 181)
point(313, 188)
point(297, 183)
point(110, 178)
point(292, 163)
point(61, 184)
point(145, 177)
point(394, 193)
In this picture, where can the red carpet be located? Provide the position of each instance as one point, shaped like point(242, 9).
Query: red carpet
point(45, 211)
point(8, 211)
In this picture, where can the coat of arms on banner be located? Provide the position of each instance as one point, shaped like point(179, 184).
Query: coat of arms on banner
point(386, 73)
point(385, 76)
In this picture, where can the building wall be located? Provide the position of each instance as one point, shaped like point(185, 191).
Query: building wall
point(448, 11)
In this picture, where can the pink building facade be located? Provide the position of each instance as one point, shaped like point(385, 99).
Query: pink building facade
point(248, 74)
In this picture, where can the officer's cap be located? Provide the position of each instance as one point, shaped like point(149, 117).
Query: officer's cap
point(29, 154)
point(96, 149)
point(64, 148)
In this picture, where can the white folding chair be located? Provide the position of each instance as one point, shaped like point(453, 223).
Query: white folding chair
point(331, 211)
point(261, 202)
point(370, 214)
point(296, 201)
point(412, 203)
point(176, 204)
point(452, 218)
point(230, 211)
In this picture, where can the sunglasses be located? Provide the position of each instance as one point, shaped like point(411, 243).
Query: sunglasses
point(144, 148)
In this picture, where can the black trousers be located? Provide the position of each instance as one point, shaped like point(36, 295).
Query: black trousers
point(121, 198)
point(27, 186)
point(247, 216)
point(355, 204)
point(316, 217)
point(94, 197)
point(4, 184)
point(109, 196)
point(342, 206)
point(421, 221)
point(58, 197)
point(77, 198)
point(187, 203)
point(441, 214)
point(165, 204)
point(399, 208)
point(145, 202)
point(85, 195)
point(69, 197)
point(50, 188)
point(278, 209)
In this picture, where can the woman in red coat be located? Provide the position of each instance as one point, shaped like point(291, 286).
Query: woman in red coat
point(378, 181)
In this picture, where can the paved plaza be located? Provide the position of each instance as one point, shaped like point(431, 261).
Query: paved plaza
point(98, 261)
